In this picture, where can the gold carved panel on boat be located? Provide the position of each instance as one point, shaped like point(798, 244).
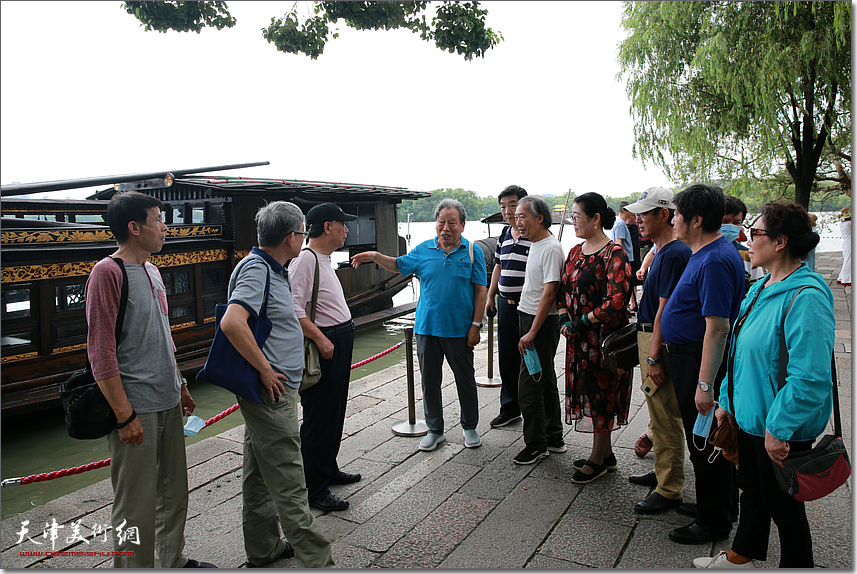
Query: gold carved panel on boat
point(188, 257)
point(77, 269)
point(98, 235)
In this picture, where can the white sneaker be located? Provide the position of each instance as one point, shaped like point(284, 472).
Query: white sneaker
point(719, 561)
point(471, 439)
point(431, 440)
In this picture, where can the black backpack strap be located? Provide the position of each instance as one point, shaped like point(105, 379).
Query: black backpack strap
point(783, 366)
point(123, 304)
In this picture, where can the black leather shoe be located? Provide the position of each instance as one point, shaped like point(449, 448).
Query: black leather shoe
point(340, 477)
point(645, 479)
point(693, 533)
point(288, 552)
point(191, 563)
point(329, 503)
point(656, 504)
point(688, 509)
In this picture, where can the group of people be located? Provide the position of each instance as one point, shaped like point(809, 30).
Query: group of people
point(695, 331)
point(287, 467)
point(702, 346)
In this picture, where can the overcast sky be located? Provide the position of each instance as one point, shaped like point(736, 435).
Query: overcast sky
point(87, 92)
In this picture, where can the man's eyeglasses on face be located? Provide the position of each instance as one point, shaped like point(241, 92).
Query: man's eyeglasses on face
point(300, 233)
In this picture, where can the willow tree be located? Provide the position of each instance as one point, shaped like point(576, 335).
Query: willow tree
point(741, 90)
point(454, 26)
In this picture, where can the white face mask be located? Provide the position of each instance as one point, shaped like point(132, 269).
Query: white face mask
point(730, 231)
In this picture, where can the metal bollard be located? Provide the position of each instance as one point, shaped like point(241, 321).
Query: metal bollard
point(410, 427)
point(490, 380)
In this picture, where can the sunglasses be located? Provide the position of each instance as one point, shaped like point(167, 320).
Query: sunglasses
point(756, 232)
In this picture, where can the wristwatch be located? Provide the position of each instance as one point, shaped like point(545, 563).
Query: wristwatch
point(477, 325)
point(705, 387)
point(652, 361)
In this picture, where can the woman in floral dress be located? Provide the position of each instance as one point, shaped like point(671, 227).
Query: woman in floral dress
point(593, 293)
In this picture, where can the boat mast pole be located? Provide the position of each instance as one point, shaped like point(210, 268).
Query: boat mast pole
point(564, 209)
point(45, 186)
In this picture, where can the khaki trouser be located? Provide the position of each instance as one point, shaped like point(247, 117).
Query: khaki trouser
point(666, 429)
point(150, 493)
point(273, 485)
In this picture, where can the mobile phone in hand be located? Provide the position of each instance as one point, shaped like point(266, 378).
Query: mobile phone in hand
point(649, 387)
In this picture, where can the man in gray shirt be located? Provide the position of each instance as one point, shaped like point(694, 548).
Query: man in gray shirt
point(145, 390)
point(273, 481)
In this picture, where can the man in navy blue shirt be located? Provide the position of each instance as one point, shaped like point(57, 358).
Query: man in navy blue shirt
point(507, 280)
point(695, 327)
point(655, 210)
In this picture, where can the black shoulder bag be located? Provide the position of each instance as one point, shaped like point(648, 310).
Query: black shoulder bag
point(87, 413)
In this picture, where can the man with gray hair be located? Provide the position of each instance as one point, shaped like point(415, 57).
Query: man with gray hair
point(448, 317)
point(538, 324)
point(273, 478)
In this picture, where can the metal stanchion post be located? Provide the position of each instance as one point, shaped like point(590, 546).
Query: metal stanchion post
point(410, 427)
point(490, 380)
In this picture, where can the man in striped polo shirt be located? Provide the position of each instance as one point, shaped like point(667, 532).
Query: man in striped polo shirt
point(507, 279)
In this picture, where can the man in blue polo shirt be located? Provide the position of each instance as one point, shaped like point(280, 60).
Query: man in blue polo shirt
point(507, 280)
point(695, 327)
point(448, 318)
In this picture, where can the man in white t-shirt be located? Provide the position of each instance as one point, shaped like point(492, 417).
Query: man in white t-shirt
point(539, 325)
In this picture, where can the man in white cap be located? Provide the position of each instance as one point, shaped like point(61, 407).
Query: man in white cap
point(333, 332)
point(654, 210)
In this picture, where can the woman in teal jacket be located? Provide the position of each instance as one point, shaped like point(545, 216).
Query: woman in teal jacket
point(772, 424)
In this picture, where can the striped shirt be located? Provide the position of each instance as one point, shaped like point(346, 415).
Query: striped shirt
point(511, 256)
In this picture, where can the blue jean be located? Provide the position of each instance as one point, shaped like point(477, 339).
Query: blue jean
point(430, 351)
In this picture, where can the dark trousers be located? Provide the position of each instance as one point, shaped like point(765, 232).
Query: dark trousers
point(431, 351)
point(324, 414)
point(714, 480)
point(762, 500)
point(539, 400)
point(508, 356)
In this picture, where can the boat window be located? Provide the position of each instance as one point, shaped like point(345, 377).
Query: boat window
point(16, 303)
point(70, 297)
point(176, 282)
point(14, 339)
point(20, 312)
point(198, 215)
point(180, 311)
point(89, 218)
point(210, 307)
point(212, 278)
point(69, 332)
point(178, 215)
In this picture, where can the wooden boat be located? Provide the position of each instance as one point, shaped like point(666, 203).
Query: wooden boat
point(50, 246)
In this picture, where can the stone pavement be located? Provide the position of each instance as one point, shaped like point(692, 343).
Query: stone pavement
point(454, 507)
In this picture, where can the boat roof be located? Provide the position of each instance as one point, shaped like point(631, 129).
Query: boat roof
point(321, 190)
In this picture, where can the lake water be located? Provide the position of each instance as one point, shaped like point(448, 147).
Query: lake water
point(39, 444)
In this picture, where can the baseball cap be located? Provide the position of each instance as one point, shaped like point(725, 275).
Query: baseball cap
point(652, 198)
point(324, 212)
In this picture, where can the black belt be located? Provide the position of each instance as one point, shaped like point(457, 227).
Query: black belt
point(329, 332)
point(682, 349)
point(645, 327)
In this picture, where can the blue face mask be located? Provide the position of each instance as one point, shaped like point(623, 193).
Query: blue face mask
point(730, 231)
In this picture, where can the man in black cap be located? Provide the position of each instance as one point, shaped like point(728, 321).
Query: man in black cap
point(333, 333)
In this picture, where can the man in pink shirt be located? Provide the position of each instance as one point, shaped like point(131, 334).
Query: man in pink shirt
point(145, 390)
point(333, 332)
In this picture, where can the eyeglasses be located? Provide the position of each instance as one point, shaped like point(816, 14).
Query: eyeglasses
point(300, 233)
point(754, 232)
